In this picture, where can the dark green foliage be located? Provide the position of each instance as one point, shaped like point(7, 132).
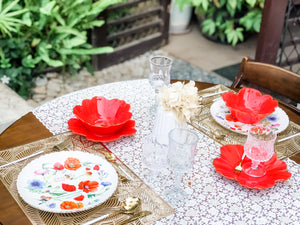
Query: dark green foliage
point(227, 20)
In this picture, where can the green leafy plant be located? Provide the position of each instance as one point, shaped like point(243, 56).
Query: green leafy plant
point(227, 21)
point(38, 34)
point(9, 22)
point(182, 3)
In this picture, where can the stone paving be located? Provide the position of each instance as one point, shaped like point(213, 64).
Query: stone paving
point(54, 85)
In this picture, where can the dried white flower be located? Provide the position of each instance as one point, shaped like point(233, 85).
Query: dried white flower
point(182, 99)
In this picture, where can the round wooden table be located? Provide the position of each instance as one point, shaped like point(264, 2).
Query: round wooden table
point(28, 129)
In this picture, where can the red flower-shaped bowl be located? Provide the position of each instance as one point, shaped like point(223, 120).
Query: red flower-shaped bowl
point(231, 156)
point(103, 116)
point(249, 105)
point(77, 127)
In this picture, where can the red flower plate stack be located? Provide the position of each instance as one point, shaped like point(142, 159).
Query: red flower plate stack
point(249, 105)
point(102, 120)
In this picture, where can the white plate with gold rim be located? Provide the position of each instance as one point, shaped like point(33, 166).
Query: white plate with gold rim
point(67, 182)
point(277, 121)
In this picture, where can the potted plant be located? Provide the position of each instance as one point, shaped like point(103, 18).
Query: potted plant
point(180, 16)
point(228, 21)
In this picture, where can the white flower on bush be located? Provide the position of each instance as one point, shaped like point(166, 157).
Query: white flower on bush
point(5, 79)
point(182, 99)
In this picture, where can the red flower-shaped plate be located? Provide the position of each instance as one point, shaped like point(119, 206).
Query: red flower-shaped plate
point(230, 157)
point(77, 127)
point(101, 115)
point(249, 105)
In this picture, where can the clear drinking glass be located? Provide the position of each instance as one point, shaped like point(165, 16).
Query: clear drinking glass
point(182, 147)
point(154, 158)
point(259, 147)
point(160, 67)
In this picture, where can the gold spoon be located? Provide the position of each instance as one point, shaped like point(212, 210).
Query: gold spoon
point(113, 159)
point(135, 217)
point(128, 206)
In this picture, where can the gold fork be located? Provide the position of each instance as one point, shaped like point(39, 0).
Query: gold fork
point(57, 147)
point(239, 168)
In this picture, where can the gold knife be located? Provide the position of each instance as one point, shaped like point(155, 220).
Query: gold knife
point(135, 217)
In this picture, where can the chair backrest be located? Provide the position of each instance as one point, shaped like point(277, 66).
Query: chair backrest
point(270, 79)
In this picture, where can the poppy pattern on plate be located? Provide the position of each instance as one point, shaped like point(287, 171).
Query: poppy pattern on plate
point(63, 183)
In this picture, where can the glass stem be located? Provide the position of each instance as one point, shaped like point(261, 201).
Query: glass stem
point(178, 178)
point(156, 101)
point(254, 164)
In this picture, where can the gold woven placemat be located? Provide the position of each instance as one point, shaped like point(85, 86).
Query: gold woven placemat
point(205, 123)
point(150, 200)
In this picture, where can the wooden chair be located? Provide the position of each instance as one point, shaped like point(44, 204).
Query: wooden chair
point(270, 79)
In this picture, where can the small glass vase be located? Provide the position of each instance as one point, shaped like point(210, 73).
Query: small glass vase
point(164, 122)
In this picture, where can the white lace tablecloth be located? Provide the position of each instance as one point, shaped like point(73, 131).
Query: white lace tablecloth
point(213, 199)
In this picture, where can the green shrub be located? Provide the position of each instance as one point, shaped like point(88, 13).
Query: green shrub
point(38, 34)
point(227, 20)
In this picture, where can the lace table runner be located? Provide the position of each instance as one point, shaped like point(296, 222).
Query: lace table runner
point(213, 199)
point(137, 188)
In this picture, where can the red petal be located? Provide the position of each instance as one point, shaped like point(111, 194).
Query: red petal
point(224, 168)
point(232, 154)
point(96, 167)
point(68, 187)
point(79, 198)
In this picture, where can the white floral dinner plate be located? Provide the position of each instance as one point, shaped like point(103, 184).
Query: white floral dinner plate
point(277, 121)
point(67, 182)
